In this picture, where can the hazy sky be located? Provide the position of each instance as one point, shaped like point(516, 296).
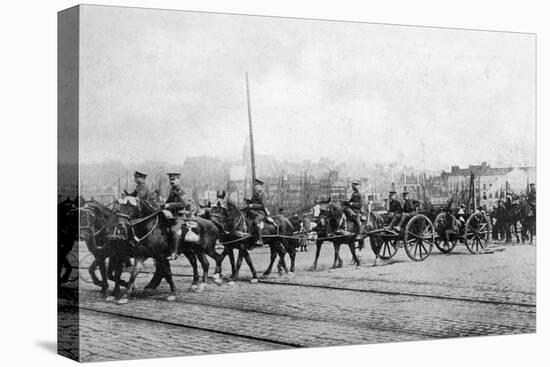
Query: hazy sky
point(165, 85)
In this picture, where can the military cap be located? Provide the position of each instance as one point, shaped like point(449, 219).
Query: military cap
point(356, 182)
point(257, 181)
point(140, 174)
point(393, 192)
point(405, 193)
point(174, 174)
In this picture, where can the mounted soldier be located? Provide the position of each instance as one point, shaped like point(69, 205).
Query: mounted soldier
point(256, 208)
point(176, 202)
point(532, 197)
point(222, 202)
point(140, 191)
point(353, 207)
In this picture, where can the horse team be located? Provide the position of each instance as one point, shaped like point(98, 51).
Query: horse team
point(132, 229)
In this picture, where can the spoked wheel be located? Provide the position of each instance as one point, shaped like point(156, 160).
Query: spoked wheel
point(440, 225)
point(83, 267)
point(476, 233)
point(388, 247)
point(419, 237)
point(73, 260)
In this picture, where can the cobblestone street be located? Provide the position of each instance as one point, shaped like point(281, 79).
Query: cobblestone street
point(445, 296)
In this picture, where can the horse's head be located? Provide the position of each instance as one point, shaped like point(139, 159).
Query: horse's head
point(324, 212)
point(126, 209)
point(95, 218)
point(68, 221)
point(369, 222)
point(86, 228)
point(219, 207)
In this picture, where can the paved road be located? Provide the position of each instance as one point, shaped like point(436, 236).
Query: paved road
point(445, 296)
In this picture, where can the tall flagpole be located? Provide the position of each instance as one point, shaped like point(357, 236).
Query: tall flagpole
point(252, 156)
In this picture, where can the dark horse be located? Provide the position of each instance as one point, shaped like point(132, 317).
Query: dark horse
point(528, 221)
point(67, 234)
point(302, 229)
point(372, 221)
point(97, 223)
point(333, 226)
point(141, 233)
point(236, 236)
point(198, 238)
point(237, 224)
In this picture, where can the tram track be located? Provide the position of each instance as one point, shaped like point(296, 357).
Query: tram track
point(189, 326)
point(433, 334)
point(384, 292)
point(377, 291)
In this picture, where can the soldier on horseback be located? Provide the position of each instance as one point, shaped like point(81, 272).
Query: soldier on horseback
point(353, 207)
point(175, 203)
point(222, 202)
point(257, 208)
point(532, 197)
point(141, 191)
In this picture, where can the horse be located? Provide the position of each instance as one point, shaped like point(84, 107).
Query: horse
point(302, 227)
point(237, 236)
point(280, 241)
point(198, 238)
point(67, 234)
point(97, 223)
point(140, 233)
point(528, 221)
point(372, 221)
point(333, 225)
point(512, 215)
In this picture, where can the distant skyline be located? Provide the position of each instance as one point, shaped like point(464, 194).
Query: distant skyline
point(163, 85)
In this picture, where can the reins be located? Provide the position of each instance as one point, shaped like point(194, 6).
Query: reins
point(136, 238)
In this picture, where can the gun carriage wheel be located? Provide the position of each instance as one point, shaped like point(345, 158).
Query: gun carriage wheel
point(419, 237)
point(476, 233)
point(440, 228)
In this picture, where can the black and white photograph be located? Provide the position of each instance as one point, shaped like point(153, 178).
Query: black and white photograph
point(237, 183)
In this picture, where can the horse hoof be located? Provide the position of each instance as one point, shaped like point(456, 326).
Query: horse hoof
point(218, 281)
point(331, 270)
point(231, 283)
point(201, 287)
point(123, 301)
point(171, 298)
point(109, 298)
point(254, 280)
point(193, 287)
point(216, 276)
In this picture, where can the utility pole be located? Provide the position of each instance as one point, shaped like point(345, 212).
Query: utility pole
point(252, 155)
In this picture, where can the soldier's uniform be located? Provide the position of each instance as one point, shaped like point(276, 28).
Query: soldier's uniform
point(141, 191)
point(408, 210)
point(395, 209)
point(532, 198)
point(408, 206)
point(354, 206)
point(256, 204)
point(175, 203)
point(257, 201)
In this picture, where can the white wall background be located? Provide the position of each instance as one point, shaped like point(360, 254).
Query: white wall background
point(28, 151)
